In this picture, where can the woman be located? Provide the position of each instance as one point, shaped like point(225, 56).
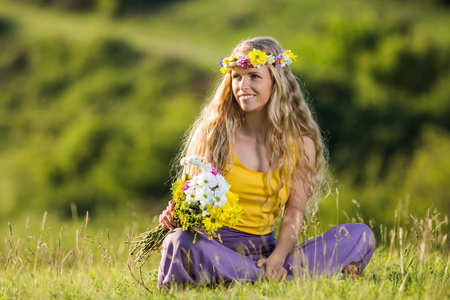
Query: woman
point(258, 131)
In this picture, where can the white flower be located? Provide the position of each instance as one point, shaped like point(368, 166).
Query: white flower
point(190, 194)
point(205, 213)
point(207, 179)
point(219, 194)
point(206, 168)
point(191, 160)
point(286, 60)
point(196, 182)
point(222, 185)
point(271, 59)
point(195, 161)
point(204, 196)
point(220, 201)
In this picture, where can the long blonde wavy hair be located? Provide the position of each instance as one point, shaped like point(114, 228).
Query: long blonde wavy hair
point(213, 133)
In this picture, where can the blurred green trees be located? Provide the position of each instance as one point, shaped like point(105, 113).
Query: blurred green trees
point(96, 121)
point(110, 7)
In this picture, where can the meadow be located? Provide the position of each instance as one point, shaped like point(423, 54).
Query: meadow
point(82, 259)
point(93, 107)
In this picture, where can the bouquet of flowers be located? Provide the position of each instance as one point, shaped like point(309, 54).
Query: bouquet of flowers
point(201, 203)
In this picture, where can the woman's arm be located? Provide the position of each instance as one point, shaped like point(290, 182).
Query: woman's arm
point(292, 220)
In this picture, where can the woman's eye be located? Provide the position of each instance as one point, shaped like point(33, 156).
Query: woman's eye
point(255, 77)
point(236, 76)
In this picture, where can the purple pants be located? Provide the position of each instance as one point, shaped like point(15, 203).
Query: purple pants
point(234, 256)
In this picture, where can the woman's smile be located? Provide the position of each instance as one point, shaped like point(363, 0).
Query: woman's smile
point(245, 97)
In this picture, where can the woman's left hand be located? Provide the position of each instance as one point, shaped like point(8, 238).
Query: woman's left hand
point(274, 267)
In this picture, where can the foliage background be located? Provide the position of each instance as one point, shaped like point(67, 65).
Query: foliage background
point(95, 96)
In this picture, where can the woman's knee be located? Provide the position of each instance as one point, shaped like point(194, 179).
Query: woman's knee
point(361, 232)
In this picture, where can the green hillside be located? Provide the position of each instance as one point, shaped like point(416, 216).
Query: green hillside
point(94, 100)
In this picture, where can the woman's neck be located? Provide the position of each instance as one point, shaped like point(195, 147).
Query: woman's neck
point(251, 143)
point(255, 125)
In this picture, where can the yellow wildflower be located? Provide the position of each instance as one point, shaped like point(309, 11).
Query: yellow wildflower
point(211, 224)
point(232, 197)
point(179, 193)
point(257, 58)
point(220, 213)
point(290, 54)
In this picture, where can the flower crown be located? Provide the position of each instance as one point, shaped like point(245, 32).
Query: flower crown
point(256, 59)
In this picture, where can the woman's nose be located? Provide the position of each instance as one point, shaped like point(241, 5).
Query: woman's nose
point(245, 84)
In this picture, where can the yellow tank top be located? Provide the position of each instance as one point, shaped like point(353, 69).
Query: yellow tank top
point(260, 209)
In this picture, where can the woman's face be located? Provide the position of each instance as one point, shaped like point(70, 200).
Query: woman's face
point(252, 87)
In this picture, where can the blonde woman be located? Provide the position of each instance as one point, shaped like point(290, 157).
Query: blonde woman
point(258, 131)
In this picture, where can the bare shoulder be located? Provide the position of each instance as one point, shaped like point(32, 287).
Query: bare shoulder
point(310, 149)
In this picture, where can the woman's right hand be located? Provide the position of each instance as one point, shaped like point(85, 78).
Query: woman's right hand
point(165, 218)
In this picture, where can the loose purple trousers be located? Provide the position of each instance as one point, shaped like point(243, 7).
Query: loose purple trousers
point(234, 256)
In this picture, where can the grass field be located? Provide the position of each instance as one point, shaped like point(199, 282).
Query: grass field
point(81, 259)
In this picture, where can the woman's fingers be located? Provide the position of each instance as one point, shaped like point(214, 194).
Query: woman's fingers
point(168, 217)
point(164, 222)
point(165, 218)
point(277, 274)
point(169, 211)
point(280, 274)
point(261, 262)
